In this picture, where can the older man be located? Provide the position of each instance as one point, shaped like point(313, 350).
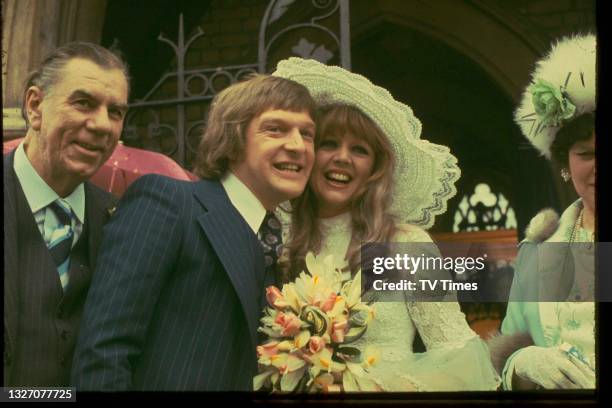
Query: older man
point(75, 103)
point(179, 285)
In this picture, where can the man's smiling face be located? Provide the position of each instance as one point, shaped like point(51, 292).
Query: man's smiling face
point(77, 122)
point(278, 156)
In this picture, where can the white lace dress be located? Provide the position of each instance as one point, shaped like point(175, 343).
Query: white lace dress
point(456, 357)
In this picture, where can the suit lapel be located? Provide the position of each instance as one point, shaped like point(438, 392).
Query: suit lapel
point(11, 289)
point(236, 247)
point(98, 209)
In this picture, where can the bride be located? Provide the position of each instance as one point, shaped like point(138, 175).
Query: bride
point(372, 169)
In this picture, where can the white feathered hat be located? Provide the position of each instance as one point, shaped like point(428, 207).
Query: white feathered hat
point(563, 87)
point(425, 173)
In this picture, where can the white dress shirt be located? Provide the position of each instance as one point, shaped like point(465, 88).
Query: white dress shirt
point(251, 209)
point(39, 195)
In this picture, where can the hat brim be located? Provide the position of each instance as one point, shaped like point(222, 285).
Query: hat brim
point(425, 173)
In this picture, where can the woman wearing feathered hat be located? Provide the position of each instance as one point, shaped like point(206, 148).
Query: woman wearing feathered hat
point(548, 333)
point(372, 171)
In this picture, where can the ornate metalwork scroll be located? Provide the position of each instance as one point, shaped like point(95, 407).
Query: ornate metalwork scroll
point(160, 121)
point(324, 36)
point(170, 117)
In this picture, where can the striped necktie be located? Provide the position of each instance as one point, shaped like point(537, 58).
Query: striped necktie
point(60, 242)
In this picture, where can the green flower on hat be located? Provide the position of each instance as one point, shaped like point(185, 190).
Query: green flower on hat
point(551, 103)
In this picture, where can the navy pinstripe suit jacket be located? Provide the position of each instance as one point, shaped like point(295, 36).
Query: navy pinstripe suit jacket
point(175, 301)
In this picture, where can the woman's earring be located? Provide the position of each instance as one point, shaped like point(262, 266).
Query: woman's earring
point(565, 175)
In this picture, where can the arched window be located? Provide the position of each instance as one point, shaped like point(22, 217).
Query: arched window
point(484, 210)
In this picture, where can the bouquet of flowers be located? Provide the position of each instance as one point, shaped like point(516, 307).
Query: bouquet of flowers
point(310, 324)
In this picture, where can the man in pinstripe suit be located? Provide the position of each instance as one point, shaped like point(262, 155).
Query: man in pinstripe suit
point(179, 285)
point(74, 103)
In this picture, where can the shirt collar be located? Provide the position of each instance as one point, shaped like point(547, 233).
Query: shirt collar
point(244, 200)
point(38, 193)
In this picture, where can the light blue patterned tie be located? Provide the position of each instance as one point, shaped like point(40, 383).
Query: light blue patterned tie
point(60, 242)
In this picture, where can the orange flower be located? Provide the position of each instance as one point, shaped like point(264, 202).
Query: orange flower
point(329, 303)
point(289, 323)
point(275, 297)
point(339, 330)
point(269, 349)
point(316, 344)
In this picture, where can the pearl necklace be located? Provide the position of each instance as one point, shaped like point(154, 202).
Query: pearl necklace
point(581, 291)
point(578, 226)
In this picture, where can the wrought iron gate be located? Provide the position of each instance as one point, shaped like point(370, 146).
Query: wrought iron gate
point(172, 123)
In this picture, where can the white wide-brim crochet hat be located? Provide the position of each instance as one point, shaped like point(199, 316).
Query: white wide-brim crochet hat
point(563, 87)
point(425, 173)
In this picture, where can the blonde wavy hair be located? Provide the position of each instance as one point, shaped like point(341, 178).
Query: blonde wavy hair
point(371, 220)
point(233, 109)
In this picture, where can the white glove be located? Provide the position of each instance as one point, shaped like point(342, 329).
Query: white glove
point(552, 368)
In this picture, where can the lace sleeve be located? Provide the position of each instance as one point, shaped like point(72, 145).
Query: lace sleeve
point(456, 358)
point(440, 324)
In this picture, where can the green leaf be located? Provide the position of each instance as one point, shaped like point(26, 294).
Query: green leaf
point(337, 367)
point(304, 382)
point(354, 291)
point(348, 382)
point(314, 371)
point(271, 312)
point(270, 332)
point(302, 339)
point(274, 378)
point(337, 358)
point(295, 363)
point(267, 320)
point(358, 317)
point(290, 380)
point(316, 318)
point(354, 333)
point(260, 379)
point(355, 369)
point(351, 351)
